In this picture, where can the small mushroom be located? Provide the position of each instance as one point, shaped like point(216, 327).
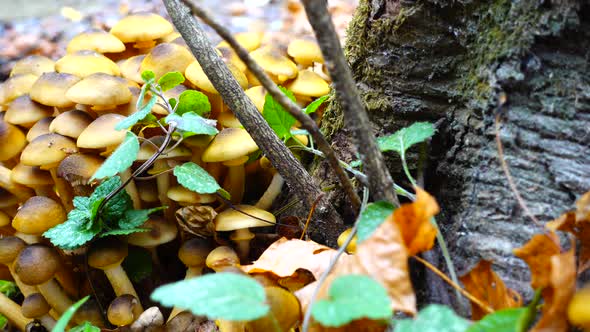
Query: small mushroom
point(37, 215)
point(85, 63)
point(142, 29)
point(165, 58)
point(285, 311)
point(160, 231)
point(21, 192)
point(24, 112)
point(272, 191)
point(185, 197)
point(77, 169)
point(10, 247)
point(50, 89)
point(36, 307)
point(12, 311)
point(16, 86)
point(351, 247)
point(40, 127)
point(107, 254)
point(35, 178)
point(305, 51)
point(70, 123)
point(222, 257)
point(33, 64)
point(103, 92)
point(257, 94)
point(308, 84)
point(249, 40)
point(275, 64)
point(240, 220)
point(12, 141)
point(124, 310)
point(130, 68)
point(96, 40)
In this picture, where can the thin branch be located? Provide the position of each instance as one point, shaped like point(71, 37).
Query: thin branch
point(306, 122)
point(380, 182)
point(297, 178)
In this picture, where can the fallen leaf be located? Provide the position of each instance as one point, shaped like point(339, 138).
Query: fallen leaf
point(536, 253)
point(483, 283)
point(583, 208)
point(414, 221)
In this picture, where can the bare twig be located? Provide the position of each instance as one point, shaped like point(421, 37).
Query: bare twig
point(380, 182)
point(232, 94)
point(306, 122)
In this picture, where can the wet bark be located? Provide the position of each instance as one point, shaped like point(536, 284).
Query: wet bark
point(448, 62)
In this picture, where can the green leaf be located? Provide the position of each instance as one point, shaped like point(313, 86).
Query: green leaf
point(222, 295)
point(433, 318)
point(115, 208)
point(138, 264)
point(312, 107)
point(170, 80)
point(193, 124)
point(137, 116)
point(67, 315)
point(136, 218)
point(356, 163)
point(85, 327)
point(528, 317)
point(127, 231)
point(8, 288)
point(70, 235)
point(279, 120)
point(371, 218)
point(3, 321)
point(505, 320)
point(193, 177)
point(193, 101)
point(120, 159)
point(148, 75)
point(403, 139)
point(352, 297)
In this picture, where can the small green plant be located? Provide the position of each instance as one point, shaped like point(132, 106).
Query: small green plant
point(64, 320)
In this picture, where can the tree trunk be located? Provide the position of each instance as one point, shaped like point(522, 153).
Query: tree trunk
point(448, 62)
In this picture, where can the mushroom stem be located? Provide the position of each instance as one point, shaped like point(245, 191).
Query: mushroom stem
point(273, 190)
point(55, 296)
point(191, 272)
point(63, 190)
point(28, 238)
point(13, 312)
point(131, 188)
point(242, 239)
point(46, 191)
point(236, 178)
point(47, 321)
point(120, 282)
point(163, 183)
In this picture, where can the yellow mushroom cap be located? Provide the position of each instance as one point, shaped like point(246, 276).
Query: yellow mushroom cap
point(30, 176)
point(147, 149)
point(50, 89)
point(273, 62)
point(230, 219)
point(257, 94)
point(130, 68)
point(160, 231)
point(12, 140)
point(47, 150)
point(78, 168)
point(285, 308)
point(222, 257)
point(101, 133)
point(35, 306)
point(249, 40)
point(165, 58)
point(229, 56)
point(107, 252)
point(182, 195)
point(305, 51)
point(41, 127)
point(24, 112)
point(33, 64)
point(351, 247)
point(228, 120)
point(4, 219)
point(70, 123)
point(229, 144)
point(309, 84)
point(195, 74)
point(84, 63)
point(96, 40)
point(16, 86)
point(578, 310)
point(100, 90)
point(37, 215)
point(141, 27)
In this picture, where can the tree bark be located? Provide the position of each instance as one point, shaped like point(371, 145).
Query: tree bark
point(448, 62)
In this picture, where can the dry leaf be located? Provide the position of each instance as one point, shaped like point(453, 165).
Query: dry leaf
point(558, 294)
point(536, 253)
point(483, 283)
point(414, 222)
point(583, 208)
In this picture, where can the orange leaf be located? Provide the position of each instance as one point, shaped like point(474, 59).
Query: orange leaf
point(414, 222)
point(536, 253)
point(483, 283)
point(559, 292)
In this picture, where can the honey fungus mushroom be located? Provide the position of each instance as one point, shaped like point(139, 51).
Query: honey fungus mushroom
point(50, 89)
point(37, 215)
point(35, 306)
point(124, 310)
point(96, 40)
point(24, 112)
point(142, 29)
point(85, 63)
point(166, 57)
point(33, 64)
point(101, 91)
point(221, 258)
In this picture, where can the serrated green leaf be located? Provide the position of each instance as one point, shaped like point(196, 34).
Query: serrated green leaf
point(136, 218)
point(193, 124)
point(193, 177)
point(85, 327)
point(371, 218)
point(222, 295)
point(127, 231)
point(170, 80)
point(138, 264)
point(352, 297)
point(433, 318)
point(82, 212)
point(8, 288)
point(403, 139)
point(137, 116)
point(121, 159)
point(65, 318)
point(313, 106)
point(148, 75)
point(193, 101)
point(70, 235)
point(505, 320)
point(277, 117)
point(115, 208)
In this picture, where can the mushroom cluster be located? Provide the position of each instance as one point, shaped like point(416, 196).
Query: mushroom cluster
point(57, 127)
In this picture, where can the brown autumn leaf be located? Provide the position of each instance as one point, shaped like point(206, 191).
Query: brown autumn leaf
point(414, 222)
point(536, 254)
point(483, 283)
point(558, 294)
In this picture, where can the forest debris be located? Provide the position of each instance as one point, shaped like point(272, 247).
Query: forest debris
point(414, 221)
point(483, 283)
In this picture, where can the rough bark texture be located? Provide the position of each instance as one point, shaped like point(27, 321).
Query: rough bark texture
point(447, 62)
